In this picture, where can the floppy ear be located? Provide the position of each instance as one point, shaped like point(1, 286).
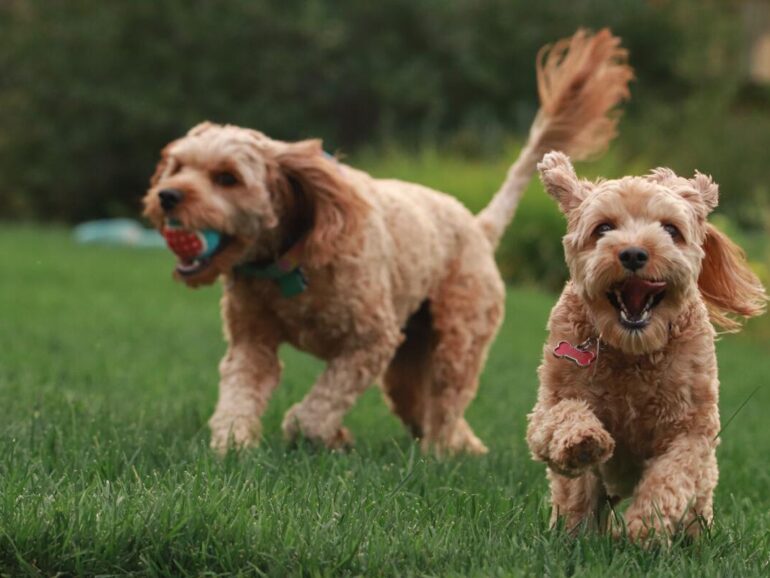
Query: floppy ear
point(338, 211)
point(727, 283)
point(560, 181)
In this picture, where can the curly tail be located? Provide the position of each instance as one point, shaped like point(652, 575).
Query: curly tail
point(580, 81)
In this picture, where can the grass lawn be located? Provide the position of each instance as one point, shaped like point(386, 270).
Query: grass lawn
point(108, 375)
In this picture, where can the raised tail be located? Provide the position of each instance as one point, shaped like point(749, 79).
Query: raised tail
point(580, 80)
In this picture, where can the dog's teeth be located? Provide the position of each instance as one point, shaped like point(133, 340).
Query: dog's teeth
point(619, 297)
point(191, 266)
point(648, 305)
point(643, 318)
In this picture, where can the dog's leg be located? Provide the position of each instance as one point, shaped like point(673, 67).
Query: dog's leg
point(318, 417)
point(249, 373)
point(467, 311)
point(580, 501)
point(675, 492)
point(568, 437)
point(406, 382)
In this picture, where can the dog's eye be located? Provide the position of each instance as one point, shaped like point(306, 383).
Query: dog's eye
point(602, 229)
point(672, 230)
point(224, 179)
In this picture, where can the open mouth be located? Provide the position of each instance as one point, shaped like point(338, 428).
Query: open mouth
point(195, 249)
point(635, 298)
point(191, 266)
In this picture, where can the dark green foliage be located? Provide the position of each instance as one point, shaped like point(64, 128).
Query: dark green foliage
point(91, 90)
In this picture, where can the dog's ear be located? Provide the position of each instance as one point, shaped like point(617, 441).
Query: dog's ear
point(701, 191)
point(708, 189)
point(338, 211)
point(560, 180)
point(727, 283)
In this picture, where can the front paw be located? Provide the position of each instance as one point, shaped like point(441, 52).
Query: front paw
point(648, 531)
point(298, 423)
point(574, 450)
point(234, 431)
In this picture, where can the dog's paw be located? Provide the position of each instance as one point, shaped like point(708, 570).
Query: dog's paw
point(574, 451)
point(234, 432)
point(648, 531)
point(298, 425)
point(454, 440)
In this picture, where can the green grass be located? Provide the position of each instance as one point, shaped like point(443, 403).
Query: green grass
point(107, 377)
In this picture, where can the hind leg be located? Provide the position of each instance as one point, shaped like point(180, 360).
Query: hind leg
point(407, 379)
point(467, 312)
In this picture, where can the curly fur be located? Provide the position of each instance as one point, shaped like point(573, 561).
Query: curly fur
point(403, 286)
point(643, 420)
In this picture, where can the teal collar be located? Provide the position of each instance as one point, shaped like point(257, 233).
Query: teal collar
point(285, 271)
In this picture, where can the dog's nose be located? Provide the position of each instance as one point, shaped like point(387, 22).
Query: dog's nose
point(170, 198)
point(633, 258)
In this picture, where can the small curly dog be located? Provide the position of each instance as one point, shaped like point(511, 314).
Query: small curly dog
point(628, 395)
point(383, 280)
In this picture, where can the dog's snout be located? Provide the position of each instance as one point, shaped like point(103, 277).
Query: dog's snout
point(170, 198)
point(633, 258)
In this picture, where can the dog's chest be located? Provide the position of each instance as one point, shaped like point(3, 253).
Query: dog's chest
point(314, 328)
point(321, 321)
point(638, 403)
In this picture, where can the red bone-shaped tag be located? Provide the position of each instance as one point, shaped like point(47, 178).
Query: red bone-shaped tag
point(580, 356)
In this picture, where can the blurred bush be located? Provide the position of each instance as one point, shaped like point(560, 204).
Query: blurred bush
point(91, 90)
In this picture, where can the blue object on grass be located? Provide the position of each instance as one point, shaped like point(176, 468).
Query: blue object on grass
point(118, 232)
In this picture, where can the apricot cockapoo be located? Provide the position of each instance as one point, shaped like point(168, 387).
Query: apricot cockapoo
point(628, 395)
point(384, 280)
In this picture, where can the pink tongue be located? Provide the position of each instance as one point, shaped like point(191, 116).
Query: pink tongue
point(637, 291)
